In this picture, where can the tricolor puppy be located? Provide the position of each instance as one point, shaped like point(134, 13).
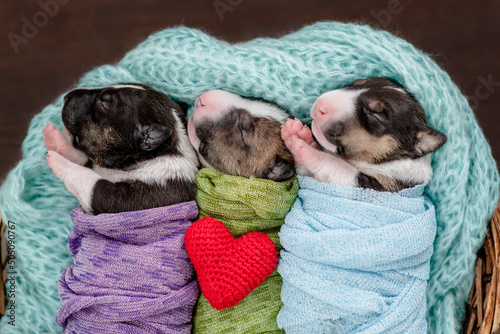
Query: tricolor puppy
point(373, 133)
point(124, 148)
point(240, 136)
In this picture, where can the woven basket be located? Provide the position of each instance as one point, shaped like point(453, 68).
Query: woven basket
point(483, 309)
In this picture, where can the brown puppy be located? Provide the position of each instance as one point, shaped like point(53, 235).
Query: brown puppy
point(240, 136)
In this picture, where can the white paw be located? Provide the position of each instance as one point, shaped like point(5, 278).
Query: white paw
point(58, 164)
point(304, 154)
point(293, 130)
point(56, 141)
point(79, 180)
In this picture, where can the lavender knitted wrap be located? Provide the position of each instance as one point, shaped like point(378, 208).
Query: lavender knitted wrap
point(131, 273)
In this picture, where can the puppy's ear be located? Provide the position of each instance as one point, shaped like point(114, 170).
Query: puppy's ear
point(149, 137)
point(277, 170)
point(428, 141)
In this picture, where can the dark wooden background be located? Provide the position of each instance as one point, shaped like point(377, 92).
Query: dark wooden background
point(73, 36)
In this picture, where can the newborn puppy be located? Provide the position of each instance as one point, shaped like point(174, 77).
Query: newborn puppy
point(374, 134)
point(124, 148)
point(239, 140)
point(240, 136)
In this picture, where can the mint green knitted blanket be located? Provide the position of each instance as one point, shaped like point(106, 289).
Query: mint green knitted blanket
point(291, 71)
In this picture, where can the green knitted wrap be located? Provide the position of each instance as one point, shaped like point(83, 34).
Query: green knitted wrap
point(244, 205)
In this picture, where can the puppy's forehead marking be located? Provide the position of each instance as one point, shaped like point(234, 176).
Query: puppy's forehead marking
point(126, 86)
point(401, 90)
point(262, 109)
point(376, 104)
point(111, 86)
point(255, 107)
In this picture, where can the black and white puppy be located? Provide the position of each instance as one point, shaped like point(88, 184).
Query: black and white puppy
point(373, 134)
point(124, 148)
point(240, 136)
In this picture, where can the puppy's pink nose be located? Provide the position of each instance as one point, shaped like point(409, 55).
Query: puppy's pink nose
point(320, 109)
point(207, 105)
point(200, 102)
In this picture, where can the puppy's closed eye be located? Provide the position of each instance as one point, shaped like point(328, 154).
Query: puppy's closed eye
point(377, 116)
point(246, 127)
point(105, 102)
point(151, 136)
point(278, 169)
point(247, 124)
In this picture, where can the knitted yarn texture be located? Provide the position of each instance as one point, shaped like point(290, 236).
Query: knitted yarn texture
point(291, 71)
point(228, 269)
point(355, 260)
point(244, 205)
point(131, 273)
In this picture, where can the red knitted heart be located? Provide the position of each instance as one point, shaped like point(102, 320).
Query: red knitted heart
point(228, 269)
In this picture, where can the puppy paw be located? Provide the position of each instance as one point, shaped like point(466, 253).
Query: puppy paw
point(79, 180)
point(289, 131)
point(55, 141)
point(293, 130)
point(306, 135)
point(58, 164)
point(303, 153)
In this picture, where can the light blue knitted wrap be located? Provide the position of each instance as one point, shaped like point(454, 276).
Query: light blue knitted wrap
point(291, 71)
point(355, 260)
